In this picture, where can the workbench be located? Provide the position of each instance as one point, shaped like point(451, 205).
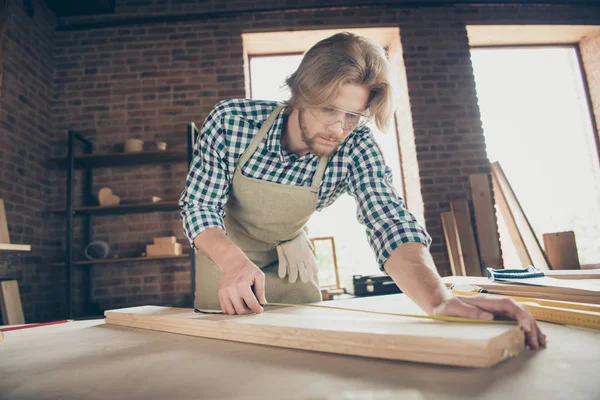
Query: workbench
point(93, 360)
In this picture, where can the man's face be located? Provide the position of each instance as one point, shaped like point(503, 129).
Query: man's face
point(324, 140)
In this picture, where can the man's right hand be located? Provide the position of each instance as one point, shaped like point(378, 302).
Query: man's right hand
point(235, 293)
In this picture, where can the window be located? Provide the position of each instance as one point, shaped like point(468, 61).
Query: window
point(537, 124)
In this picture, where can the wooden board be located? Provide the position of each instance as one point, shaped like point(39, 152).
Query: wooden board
point(466, 239)
point(561, 250)
point(452, 244)
point(511, 225)
point(574, 274)
point(4, 237)
point(15, 247)
point(528, 247)
point(343, 332)
point(10, 303)
point(539, 292)
point(485, 222)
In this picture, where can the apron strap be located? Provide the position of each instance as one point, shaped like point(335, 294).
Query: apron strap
point(259, 136)
point(318, 176)
point(255, 142)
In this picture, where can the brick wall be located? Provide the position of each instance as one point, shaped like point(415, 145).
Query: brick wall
point(26, 137)
point(150, 80)
point(590, 54)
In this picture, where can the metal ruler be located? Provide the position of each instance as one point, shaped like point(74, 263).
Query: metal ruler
point(560, 312)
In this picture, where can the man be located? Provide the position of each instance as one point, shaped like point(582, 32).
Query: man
point(261, 169)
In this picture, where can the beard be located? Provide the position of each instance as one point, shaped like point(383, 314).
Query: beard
point(315, 146)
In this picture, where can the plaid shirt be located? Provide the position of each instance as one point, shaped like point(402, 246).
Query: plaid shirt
point(357, 168)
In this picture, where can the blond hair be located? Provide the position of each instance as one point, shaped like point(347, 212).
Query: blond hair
point(344, 58)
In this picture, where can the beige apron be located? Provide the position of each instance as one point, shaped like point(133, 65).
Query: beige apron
point(258, 216)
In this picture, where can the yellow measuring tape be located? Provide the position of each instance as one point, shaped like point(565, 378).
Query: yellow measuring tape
point(436, 318)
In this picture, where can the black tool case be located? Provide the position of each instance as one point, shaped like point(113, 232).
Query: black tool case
point(372, 285)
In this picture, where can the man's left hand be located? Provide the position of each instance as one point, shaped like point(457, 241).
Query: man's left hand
point(488, 308)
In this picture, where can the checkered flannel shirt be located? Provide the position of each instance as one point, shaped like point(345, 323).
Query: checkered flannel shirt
point(357, 168)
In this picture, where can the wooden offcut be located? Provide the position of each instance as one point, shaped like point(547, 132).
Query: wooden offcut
point(561, 250)
point(167, 240)
point(467, 246)
point(10, 303)
point(343, 331)
point(526, 243)
point(485, 222)
point(161, 250)
point(452, 244)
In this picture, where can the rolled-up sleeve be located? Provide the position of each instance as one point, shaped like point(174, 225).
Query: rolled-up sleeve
point(207, 184)
point(379, 207)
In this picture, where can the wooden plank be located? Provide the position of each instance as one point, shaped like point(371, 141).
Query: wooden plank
point(4, 237)
point(485, 222)
point(561, 250)
point(525, 240)
point(539, 292)
point(466, 239)
point(574, 274)
point(10, 303)
point(452, 244)
point(511, 225)
point(342, 331)
point(15, 247)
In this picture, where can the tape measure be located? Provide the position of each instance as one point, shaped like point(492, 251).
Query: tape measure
point(436, 318)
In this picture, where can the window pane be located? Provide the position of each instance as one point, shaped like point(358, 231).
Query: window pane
point(537, 125)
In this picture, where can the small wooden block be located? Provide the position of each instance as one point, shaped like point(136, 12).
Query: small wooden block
point(561, 250)
point(157, 250)
point(167, 240)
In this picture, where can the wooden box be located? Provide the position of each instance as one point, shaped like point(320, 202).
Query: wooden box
point(166, 240)
point(158, 250)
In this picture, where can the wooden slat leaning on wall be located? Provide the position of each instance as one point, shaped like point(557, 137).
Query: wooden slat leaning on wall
point(4, 237)
point(485, 222)
point(466, 239)
point(521, 233)
point(10, 303)
point(452, 244)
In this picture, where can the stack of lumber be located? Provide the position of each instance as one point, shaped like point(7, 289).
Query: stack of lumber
point(471, 255)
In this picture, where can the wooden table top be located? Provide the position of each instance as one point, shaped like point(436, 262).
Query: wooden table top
point(93, 360)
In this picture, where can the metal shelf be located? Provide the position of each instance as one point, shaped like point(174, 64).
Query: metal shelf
point(132, 208)
point(124, 260)
point(110, 160)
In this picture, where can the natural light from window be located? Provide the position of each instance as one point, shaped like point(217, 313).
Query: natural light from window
point(537, 125)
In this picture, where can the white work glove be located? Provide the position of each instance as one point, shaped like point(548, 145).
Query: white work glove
point(297, 259)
